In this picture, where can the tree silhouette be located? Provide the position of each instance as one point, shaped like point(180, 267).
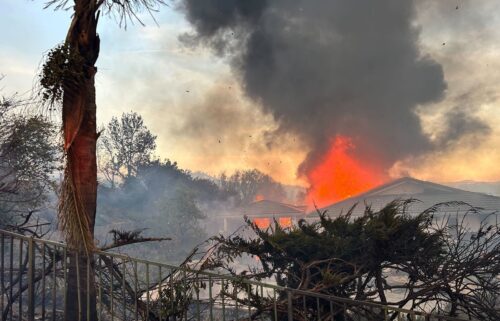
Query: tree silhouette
point(125, 145)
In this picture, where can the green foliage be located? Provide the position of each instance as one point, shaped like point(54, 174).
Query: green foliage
point(28, 157)
point(63, 70)
point(388, 256)
point(164, 200)
point(176, 300)
point(333, 253)
point(180, 214)
point(31, 147)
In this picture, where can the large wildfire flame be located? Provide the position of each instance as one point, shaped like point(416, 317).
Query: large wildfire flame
point(341, 175)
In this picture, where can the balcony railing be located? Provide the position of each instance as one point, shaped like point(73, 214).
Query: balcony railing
point(35, 280)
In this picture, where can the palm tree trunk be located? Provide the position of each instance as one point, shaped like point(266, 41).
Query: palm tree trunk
point(80, 289)
point(79, 192)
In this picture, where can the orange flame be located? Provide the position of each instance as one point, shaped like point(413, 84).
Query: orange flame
point(285, 222)
point(259, 197)
point(341, 175)
point(262, 222)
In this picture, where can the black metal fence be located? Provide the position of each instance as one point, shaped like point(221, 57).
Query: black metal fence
point(36, 284)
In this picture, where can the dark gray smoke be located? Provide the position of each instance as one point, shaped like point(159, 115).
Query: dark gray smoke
point(460, 121)
point(323, 68)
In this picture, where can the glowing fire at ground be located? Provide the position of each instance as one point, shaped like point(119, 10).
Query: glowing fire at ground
point(259, 197)
point(262, 222)
point(341, 175)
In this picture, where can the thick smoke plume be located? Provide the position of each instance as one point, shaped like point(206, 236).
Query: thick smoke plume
point(327, 68)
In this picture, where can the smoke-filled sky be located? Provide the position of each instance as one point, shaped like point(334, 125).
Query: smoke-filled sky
point(229, 84)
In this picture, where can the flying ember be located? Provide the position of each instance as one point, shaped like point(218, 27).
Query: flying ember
point(341, 174)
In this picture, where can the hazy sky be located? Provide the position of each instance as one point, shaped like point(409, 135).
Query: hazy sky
point(192, 98)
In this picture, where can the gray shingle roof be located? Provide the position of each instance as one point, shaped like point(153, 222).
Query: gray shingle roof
point(270, 208)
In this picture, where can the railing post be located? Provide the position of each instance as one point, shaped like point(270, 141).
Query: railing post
point(31, 279)
point(290, 307)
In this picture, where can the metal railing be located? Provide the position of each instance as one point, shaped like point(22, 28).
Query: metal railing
point(41, 279)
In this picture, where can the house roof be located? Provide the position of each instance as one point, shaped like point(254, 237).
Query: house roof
point(426, 193)
point(270, 208)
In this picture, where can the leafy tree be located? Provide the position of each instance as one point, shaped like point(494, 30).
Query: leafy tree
point(164, 200)
point(178, 215)
point(28, 158)
point(245, 186)
point(68, 77)
point(126, 144)
point(181, 213)
point(449, 268)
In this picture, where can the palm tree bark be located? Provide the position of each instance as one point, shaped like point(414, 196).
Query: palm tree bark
point(79, 193)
